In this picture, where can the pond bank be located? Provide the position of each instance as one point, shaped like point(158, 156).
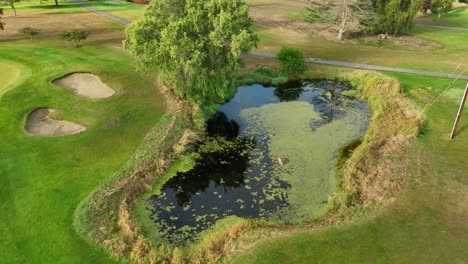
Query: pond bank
point(238, 173)
point(394, 121)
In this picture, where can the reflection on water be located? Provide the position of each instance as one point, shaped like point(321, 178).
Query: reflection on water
point(238, 172)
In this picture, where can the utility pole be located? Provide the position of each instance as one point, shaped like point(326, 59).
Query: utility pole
point(460, 111)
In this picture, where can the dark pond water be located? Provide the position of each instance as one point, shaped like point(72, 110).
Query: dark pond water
point(269, 154)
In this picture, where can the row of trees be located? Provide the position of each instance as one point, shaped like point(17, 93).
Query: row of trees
point(11, 3)
point(74, 36)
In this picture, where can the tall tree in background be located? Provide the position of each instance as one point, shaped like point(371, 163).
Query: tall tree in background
point(353, 16)
point(11, 3)
point(366, 16)
point(440, 7)
point(396, 15)
point(195, 45)
point(2, 25)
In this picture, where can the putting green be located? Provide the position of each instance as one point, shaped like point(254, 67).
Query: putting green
point(11, 75)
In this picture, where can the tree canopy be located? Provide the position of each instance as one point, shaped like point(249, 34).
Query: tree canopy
point(75, 36)
point(367, 16)
point(354, 16)
point(440, 7)
point(195, 45)
point(30, 32)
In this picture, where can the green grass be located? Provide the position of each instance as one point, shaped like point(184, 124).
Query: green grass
point(11, 75)
point(425, 225)
point(44, 179)
point(445, 58)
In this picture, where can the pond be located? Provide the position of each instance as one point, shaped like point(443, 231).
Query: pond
point(269, 153)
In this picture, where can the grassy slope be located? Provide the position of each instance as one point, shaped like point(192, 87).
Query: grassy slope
point(424, 226)
point(44, 179)
point(11, 75)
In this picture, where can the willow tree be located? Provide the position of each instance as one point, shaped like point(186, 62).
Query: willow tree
point(195, 45)
point(396, 15)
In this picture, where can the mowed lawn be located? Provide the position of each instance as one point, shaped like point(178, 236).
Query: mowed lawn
point(427, 224)
point(43, 179)
point(11, 74)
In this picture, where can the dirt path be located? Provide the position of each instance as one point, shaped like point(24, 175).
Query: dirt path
point(311, 60)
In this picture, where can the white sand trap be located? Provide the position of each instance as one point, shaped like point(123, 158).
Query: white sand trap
point(40, 124)
point(85, 84)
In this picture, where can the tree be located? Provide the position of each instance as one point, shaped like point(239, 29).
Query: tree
point(195, 45)
point(2, 25)
point(10, 3)
point(30, 32)
point(396, 16)
point(353, 16)
point(75, 36)
point(440, 7)
point(292, 61)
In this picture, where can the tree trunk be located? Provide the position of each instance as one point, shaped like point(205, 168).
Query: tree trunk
point(75, 44)
point(344, 18)
point(56, 2)
point(12, 3)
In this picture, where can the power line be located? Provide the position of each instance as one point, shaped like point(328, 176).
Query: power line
point(448, 87)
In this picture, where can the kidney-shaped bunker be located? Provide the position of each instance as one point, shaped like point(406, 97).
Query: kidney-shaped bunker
point(85, 84)
point(40, 124)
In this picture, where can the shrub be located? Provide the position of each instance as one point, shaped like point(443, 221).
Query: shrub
point(292, 61)
point(75, 36)
point(30, 32)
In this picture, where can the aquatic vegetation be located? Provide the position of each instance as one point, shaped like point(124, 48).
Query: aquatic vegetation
point(268, 154)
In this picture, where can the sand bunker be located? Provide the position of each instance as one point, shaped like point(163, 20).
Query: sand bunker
point(85, 84)
point(40, 124)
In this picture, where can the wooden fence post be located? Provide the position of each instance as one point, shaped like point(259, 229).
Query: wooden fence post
point(460, 111)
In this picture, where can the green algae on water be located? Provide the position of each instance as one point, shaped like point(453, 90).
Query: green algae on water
point(311, 154)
